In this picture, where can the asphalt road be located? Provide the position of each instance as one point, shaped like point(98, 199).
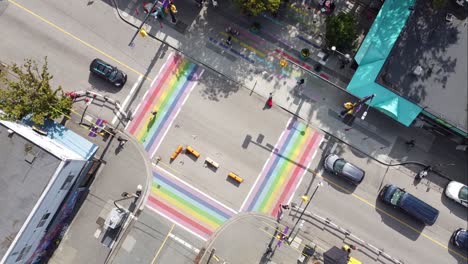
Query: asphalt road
point(218, 118)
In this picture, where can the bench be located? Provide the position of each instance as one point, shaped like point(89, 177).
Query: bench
point(190, 150)
point(235, 177)
point(212, 162)
point(176, 152)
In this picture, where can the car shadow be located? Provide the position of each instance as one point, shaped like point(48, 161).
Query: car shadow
point(101, 85)
point(454, 207)
point(399, 221)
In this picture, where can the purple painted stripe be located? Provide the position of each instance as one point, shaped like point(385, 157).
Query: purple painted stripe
point(189, 191)
point(172, 116)
point(170, 110)
point(274, 164)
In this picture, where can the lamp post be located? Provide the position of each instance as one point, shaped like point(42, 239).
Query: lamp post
point(347, 56)
point(303, 211)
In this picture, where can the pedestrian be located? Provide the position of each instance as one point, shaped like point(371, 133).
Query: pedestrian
point(285, 206)
point(229, 40)
point(122, 141)
point(154, 113)
point(300, 82)
point(410, 143)
point(348, 109)
point(270, 100)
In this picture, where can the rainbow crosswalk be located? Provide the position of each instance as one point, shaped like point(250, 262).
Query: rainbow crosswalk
point(169, 91)
point(188, 207)
point(284, 169)
point(184, 204)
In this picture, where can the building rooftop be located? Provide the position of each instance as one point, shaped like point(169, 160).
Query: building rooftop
point(437, 48)
point(26, 170)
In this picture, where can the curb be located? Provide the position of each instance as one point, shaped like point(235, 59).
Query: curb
point(243, 85)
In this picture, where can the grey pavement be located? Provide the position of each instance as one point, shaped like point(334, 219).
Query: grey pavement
point(253, 61)
point(87, 240)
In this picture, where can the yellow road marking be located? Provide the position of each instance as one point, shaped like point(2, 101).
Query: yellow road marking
point(162, 245)
point(393, 217)
point(137, 72)
point(76, 38)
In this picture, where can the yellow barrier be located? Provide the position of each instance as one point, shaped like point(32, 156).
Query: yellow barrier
point(176, 152)
point(190, 150)
point(235, 177)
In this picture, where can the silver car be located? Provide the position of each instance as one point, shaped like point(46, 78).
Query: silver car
point(344, 169)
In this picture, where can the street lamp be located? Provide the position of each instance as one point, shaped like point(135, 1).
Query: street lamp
point(347, 56)
point(303, 211)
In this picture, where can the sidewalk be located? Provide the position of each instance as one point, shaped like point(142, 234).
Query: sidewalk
point(253, 61)
point(87, 240)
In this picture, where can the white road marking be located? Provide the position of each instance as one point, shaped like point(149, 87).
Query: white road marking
point(193, 84)
point(264, 165)
point(184, 243)
point(97, 233)
point(202, 193)
point(305, 171)
point(177, 223)
point(333, 147)
point(125, 102)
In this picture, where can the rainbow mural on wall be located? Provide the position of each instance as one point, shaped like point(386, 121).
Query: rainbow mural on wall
point(284, 169)
point(168, 92)
point(190, 208)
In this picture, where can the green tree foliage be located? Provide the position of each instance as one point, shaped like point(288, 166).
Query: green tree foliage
point(438, 4)
point(30, 93)
point(341, 31)
point(255, 7)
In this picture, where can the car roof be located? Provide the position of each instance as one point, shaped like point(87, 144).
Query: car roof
point(352, 172)
point(419, 209)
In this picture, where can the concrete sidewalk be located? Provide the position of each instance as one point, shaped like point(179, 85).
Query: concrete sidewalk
point(87, 240)
point(253, 61)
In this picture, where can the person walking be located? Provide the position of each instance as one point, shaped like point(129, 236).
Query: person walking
point(410, 143)
point(122, 141)
point(229, 41)
point(270, 100)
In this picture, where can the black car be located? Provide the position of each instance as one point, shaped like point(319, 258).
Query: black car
point(344, 169)
point(460, 238)
point(108, 72)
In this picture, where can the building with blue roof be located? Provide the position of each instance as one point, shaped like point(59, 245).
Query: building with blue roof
point(409, 61)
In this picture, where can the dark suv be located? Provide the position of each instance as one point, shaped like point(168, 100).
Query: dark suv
point(108, 72)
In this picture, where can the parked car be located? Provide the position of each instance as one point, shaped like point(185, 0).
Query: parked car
point(457, 192)
point(413, 206)
point(460, 238)
point(108, 72)
point(344, 169)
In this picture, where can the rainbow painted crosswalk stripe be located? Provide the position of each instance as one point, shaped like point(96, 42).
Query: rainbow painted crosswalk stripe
point(284, 169)
point(184, 204)
point(168, 92)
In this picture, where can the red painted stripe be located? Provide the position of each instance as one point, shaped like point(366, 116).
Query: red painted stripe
point(291, 58)
point(296, 172)
point(155, 91)
point(186, 221)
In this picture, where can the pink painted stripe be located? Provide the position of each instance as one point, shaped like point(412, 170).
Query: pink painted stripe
point(175, 111)
point(199, 196)
point(173, 61)
point(178, 217)
point(294, 179)
point(291, 58)
point(263, 175)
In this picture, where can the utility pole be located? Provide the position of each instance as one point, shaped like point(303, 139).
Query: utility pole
point(131, 44)
point(303, 211)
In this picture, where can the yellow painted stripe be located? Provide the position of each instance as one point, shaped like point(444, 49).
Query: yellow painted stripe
point(76, 38)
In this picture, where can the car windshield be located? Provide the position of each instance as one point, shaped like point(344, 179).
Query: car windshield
point(339, 164)
point(463, 195)
point(396, 197)
point(113, 74)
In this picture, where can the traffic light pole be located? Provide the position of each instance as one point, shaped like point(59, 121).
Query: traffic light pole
point(131, 44)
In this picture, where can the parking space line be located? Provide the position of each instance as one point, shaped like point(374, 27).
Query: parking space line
point(162, 245)
point(125, 102)
point(75, 37)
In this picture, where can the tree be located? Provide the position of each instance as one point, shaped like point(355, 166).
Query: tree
point(341, 31)
point(30, 93)
point(255, 7)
